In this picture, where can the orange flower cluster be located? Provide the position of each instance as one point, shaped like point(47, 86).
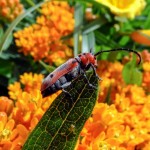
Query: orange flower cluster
point(20, 114)
point(125, 123)
point(42, 40)
point(10, 9)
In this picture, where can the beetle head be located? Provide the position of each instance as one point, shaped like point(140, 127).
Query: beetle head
point(88, 58)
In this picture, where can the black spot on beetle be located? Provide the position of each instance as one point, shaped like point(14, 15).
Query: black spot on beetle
point(51, 75)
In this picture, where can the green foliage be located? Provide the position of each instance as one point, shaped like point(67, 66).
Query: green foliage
point(131, 74)
point(61, 125)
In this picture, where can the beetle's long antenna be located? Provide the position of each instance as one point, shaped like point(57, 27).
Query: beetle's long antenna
point(123, 49)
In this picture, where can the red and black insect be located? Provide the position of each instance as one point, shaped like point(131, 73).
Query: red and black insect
point(62, 76)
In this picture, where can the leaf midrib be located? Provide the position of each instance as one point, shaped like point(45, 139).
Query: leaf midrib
point(66, 116)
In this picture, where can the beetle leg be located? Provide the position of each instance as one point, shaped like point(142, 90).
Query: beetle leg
point(83, 72)
point(66, 92)
point(92, 86)
point(94, 71)
point(70, 102)
point(65, 85)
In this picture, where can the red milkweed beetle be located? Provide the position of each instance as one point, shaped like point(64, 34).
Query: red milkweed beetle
point(62, 76)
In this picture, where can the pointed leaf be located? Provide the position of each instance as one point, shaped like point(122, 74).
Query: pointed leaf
point(62, 123)
point(1, 31)
point(8, 41)
point(131, 74)
point(88, 42)
point(92, 26)
point(78, 15)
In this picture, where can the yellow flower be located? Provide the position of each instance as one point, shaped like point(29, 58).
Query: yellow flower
point(31, 81)
point(14, 90)
point(124, 8)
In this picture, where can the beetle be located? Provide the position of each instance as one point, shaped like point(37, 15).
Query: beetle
point(62, 76)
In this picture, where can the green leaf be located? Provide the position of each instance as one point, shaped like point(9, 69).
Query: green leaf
point(8, 41)
point(88, 42)
point(102, 39)
point(61, 125)
point(6, 36)
point(1, 31)
point(124, 40)
point(6, 68)
point(78, 15)
point(131, 74)
point(94, 25)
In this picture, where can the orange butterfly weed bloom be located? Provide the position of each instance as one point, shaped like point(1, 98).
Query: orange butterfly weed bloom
point(30, 106)
point(42, 39)
point(10, 9)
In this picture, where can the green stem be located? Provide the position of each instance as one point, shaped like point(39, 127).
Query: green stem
point(47, 67)
point(31, 3)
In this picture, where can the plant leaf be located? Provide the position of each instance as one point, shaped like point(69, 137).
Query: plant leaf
point(1, 31)
point(131, 74)
point(78, 15)
point(88, 42)
point(92, 26)
point(8, 41)
point(61, 125)
point(102, 39)
point(6, 69)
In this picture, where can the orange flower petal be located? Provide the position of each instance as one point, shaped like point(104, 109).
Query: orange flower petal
point(14, 134)
point(3, 120)
point(10, 124)
point(23, 132)
point(6, 105)
point(141, 38)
